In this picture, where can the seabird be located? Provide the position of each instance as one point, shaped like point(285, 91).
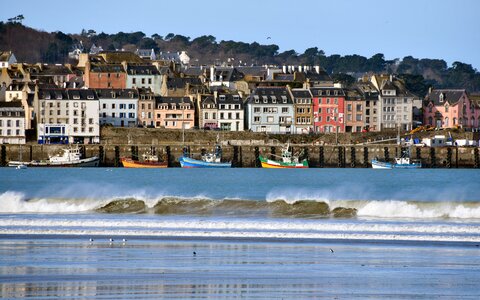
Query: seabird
point(194, 253)
point(331, 250)
point(268, 38)
point(124, 240)
point(111, 240)
point(91, 240)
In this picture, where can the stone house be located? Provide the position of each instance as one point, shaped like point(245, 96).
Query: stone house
point(12, 123)
point(118, 107)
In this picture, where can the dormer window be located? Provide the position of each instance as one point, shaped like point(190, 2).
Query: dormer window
point(441, 97)
point(222, 97)
point(90, 97)
point(256, 99)
point(274, 99)
point(284, 99)
point(265, 99)
point(76, 96)
point(236, 97)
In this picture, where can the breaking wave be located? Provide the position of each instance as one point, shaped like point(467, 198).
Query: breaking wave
point(294, 206)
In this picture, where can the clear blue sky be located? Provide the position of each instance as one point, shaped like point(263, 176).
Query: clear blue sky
point(444, 29)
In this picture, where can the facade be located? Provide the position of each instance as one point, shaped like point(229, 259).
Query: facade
point(67, 116)
point(143, 76)
point(230, 112)
point(146, 108)
point(329, 109)
point(303, 110)
point(208, 112)
point(372, 113)
point(224, 77)
point(355, 111)
point(396, 103)
point(118, 107)
point(450, 108)
point(12, 123)
point(174, 112)
point(270, 109)
point(105, 76)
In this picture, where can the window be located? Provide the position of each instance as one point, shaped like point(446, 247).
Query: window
point(104, 115)
point(256, 110)
point(270, 119)
point(221, 115)
point(149, 80)
point(134, 80)
point(256, 119)
point(131, 115)
point(237, 116)
point(206, 115)
point(122, 115)
point(131, 106)
point(104, 105)
point(17, 132)
point(349, 107)
point(90, 121)
point(17, 123)
point(113, 105)
point(358, 117)
point(359, 107)
point(113, 115)
point(284, 110)
point(75, 121)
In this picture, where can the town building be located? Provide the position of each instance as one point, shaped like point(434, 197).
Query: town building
point(118, 107)
point(7, 58)
point(372, 113)
point(67, 116)
point(450, 108)
point(328, 109)
point(207, 112)
point(174, 112)
point(143, 76)
point(230, 111)
point(146, 107)
point(355, 111)
point(12, 123)
point(303, 110)
point(270, 109)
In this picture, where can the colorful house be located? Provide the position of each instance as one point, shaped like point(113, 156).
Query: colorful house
point(174, 112)
point(450, 108)
point(328, 109)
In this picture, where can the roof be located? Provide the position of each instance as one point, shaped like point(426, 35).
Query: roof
point(10, 105)
point(194, 71)
point(258, 71)
point(271, 95)
point(67, 94)
point(301, 93)
point(52, 70)
point(173, 100)
point(228, 98)
point(314, 76)
point(117, 57)
point(227, 74)
point(117, 93)
point(142, 70)
point(180, 83)
point(447, 95)
point(327, 92)
point(171, 56)
point(5, 55)
point(352, 94)
point(107, 68)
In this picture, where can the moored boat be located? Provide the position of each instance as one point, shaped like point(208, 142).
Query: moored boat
point(149, 161)
point(70, 157)
point(208, 160)
point(404, 162)
point(287, 161)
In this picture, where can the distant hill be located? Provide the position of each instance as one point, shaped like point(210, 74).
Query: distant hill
point(31, 45)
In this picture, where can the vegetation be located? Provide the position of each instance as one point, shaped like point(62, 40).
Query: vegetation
point(419, 74)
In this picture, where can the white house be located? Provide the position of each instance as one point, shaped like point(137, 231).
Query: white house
point(230, 112)
point(143, 76)
point(12, 123)
point(118, 107)
point(67, 116)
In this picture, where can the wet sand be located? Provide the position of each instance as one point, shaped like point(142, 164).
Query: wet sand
point(72, 267)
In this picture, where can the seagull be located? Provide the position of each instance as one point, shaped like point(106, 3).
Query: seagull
point(331, 250)
point(194, 253)
point(269, 38)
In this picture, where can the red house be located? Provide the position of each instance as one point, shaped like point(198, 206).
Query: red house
point(328, 109)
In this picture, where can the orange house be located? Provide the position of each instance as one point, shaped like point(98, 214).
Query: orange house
point(174, 113)
point(102, 76)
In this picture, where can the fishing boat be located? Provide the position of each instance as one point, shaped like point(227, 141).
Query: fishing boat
point(208, 160)
point(149, 161)
point(286, 161)
point(403, 162)
point(71, 157)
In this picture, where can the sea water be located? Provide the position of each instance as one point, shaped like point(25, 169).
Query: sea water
point(239, 233)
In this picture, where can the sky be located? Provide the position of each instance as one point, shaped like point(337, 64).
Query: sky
point(440, 29)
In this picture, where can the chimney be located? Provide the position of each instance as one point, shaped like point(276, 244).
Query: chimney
point(299, 68)
point(215, 95)
point(284, 69)
point(317, 69)
point(212, 73)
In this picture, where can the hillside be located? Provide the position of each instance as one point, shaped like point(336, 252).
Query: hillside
point(30, 45)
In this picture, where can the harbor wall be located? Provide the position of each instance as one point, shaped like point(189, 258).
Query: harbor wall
point(245, 153)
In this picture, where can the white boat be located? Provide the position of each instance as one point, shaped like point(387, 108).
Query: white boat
point(70, 157)
point(208, 160)
point(403, 162)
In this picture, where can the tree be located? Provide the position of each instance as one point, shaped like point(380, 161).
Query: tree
point(169, 36)
point(376, 63)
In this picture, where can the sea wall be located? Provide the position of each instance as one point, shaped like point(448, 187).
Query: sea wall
point(244, 153)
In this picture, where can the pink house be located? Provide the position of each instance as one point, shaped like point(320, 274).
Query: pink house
point(174, 113)
point(450, 108)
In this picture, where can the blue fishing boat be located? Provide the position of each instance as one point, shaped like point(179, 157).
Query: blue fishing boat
point(208, 160)
point(403, 162)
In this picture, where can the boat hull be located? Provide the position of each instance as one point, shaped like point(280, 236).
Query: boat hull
point(130, 163)
point(82, 163)
point(388, 166)
point(187, 162)
point(273, 164)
